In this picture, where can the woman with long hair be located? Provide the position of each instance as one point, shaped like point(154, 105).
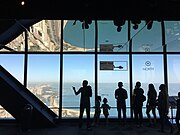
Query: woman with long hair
point(163, 105)
point(151, 103)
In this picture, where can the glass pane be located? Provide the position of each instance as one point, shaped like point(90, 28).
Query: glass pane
point(173, 79)
point(18, 44)
point(110, 40)
point(173, 74)
point(148, 69)
point(78, 39)
point(14, 65)
point(111, 70)
point(43, 79)
point(172, 29)
point(45, 36)
point(76, 69)
point(147, 40)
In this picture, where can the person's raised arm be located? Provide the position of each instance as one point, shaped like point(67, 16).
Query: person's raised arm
point(76, 92)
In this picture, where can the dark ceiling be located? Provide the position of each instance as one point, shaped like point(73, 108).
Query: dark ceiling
point(14, 16)
point(91, 9)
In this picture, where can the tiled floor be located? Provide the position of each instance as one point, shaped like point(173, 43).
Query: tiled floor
point(72, 129)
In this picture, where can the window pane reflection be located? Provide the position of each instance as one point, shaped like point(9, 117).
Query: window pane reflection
point(78, 39)
point(44, 36)
point(145, 40)
point(172, 29)
point(110, 40)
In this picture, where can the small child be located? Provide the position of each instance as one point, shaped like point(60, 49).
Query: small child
point(106, 109)
point(178, 111)
point(97, 111)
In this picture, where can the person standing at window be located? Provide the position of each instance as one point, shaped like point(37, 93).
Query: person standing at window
point(163, 105)
point(151, 103)
point(121, 96)
point(105, 106)
point(86, 93)
point(138, 103)
point(97, 111)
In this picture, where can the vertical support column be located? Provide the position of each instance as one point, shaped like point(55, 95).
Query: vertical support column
point(26, 58)
point(164, 54)
point(96, 58)
point(61, 72)
point(130, 68)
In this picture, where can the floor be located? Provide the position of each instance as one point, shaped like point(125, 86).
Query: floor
point(68, 128)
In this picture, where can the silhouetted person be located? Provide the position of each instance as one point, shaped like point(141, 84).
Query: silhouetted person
point(138, 103)
point(178, 111)
point(151, 103)
point(97, 110)
point(106, 109)
point(163, 105)
point(121, 96)
point(86, 93)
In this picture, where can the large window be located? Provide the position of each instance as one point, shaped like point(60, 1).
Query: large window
point(43, 78)
point(111, 70)
point(77, 67)
point(80, 58)
point(148, 69)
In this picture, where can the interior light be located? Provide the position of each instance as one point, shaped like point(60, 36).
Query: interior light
point(22, 3)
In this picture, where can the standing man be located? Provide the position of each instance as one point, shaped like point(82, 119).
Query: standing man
point(86, 93)
point(121, 96)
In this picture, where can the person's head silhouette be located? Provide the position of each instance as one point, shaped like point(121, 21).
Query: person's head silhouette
point(120, 84)
point(85, 83)
point(138, 84)
point(105, 100)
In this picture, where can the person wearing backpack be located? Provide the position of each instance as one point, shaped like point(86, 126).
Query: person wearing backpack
point(139, 98)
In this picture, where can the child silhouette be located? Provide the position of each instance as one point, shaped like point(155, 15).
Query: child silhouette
point(106, 109)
